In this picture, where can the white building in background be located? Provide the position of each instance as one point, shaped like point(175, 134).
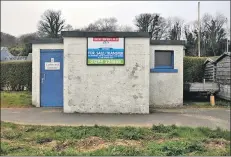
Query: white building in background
point(7, 56)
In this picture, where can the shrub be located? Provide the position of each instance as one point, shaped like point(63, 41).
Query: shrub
point(16, 75)
point(194, 69)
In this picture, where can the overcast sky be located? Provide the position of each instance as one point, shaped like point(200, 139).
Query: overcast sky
point(21, 17)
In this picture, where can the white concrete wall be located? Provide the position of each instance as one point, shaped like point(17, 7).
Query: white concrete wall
point(166, 89)
point(36, 69)
point(108, 89)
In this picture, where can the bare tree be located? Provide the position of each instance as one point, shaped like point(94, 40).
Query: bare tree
point(153, 23)
point(213, 35)
point(214, 31)
point(175, 30)
point(143, 22)
point(125, 28)
point(68, 28)
point(103, 25)
point(51, 24)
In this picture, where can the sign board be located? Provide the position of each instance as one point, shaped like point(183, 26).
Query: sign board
point(105, 51)
point(52, 65)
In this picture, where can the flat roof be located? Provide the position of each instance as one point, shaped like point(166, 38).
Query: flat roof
point(105, 34)
point(48, 41)
point(167, 42)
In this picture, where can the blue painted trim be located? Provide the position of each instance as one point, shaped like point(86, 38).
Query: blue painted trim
point(172, 57)
point(164, 67)
point(164, 70)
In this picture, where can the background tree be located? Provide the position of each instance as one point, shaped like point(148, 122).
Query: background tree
point(176, 28)
point(7, 39)
point(51, 24)
point(25, 41)
point(125, 28)
point(190, 41)
point(153, 23)
point(103, 25)
point(68, 28)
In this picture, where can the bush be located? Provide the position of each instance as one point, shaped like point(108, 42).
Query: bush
point(16, 75)
point(194, 69)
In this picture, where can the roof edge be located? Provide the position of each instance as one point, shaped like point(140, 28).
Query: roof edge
point(167, 42)
point(105, 34)
point(222, 56)
point(209, 60)
point(47, 41)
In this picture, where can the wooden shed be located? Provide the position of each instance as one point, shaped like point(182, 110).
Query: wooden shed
point(223, 75)
point(217, 69)
point(210, 69)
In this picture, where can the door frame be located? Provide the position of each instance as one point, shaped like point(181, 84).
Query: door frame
point(40, 91)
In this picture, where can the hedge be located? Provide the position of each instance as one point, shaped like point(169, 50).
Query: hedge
point(194, 69)
point(16, 75)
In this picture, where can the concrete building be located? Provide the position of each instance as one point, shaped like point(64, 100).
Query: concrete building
point(107, 72)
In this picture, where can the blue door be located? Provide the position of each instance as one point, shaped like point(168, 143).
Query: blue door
point(51, 78)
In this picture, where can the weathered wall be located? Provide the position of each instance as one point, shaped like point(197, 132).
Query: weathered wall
point(209, 73)
point(166, 89)
point(223, 77)
point(108, 89)
point(224, 92)
point(36, 69)
point(223, 70)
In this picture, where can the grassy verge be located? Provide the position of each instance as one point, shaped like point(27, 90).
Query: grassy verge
point(15, 99)
point(206, 104)
point(99, 141)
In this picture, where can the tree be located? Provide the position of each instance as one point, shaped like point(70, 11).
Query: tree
point(153, 23)
point(7, 39)
point(213, 33)
point(68, 28)
point(190, 41)
point(103, 25)
point(51, 24)
point(27, 38)
point(175, 29)
point(125, 28)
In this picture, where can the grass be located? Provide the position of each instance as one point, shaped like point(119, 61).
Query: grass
point(203, 102)
point(15, 99)
point(101, 141)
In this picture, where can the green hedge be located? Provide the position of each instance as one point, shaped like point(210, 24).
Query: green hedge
point(16, 75)
point(194, 69)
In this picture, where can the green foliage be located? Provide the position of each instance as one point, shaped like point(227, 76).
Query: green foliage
point(194, 69)
point(131, 133)
point(117, 151)
point(15, 99)
point(163, 129)
point(17, 50)
point(176, 148)
point(17, 75)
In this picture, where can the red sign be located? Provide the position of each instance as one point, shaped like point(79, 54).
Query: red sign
point(105, 39)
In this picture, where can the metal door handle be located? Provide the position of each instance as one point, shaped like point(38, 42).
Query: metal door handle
point(44, 77)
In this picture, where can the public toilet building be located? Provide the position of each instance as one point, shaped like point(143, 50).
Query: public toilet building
point(107, 72)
